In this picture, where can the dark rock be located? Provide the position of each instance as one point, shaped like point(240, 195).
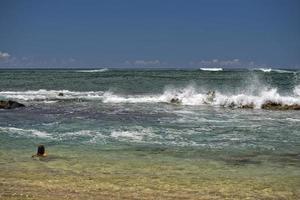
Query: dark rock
point(231, 105)
point(175, 100)
point(8, 104)
point(248, 106)
point(269, 105)
point(61, 94)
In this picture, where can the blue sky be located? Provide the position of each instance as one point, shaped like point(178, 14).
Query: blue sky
point(150, 33)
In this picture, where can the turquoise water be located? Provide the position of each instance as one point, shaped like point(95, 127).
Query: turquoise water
point(127, 115)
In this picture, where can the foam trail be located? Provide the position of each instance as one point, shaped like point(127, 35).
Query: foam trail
point(268, 70)
point(211, 69)
point(283, 71)
point(25, 132)
point(93, 70)
point(297, 90)
point(50, 95)
point(264, 69)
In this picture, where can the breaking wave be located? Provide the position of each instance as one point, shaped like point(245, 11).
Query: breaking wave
point(93, 70)
point(266, 98)
point(190, 96)
point(268, 70)
point(50, 95)
point(263, 69)
point(297, 90)
point(212, 69)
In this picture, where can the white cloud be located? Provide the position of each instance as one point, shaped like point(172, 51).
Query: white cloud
point(231, 63)
point(218, 63)
point(4, 55)
point(38, 62)
point(144, 62)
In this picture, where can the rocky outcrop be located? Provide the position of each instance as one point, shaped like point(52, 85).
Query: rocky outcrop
point(248, 106)
point(9, 104)
point(269, 105)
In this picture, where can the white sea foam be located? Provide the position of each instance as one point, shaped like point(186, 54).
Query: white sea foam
point(183, 96)
point(190, 96)
point(268, 70)
point(110, 97)
point(132, 135)
point(212, 69)
point(283, 71)
point(25, 132)
point(257, 101)
point(80, 133)
point(135, 134)
point(50, 95)
point(93, 70)
point(264, 69)
point(187, 96)
point(297, 90)
point(293, 119)
point(91, 135)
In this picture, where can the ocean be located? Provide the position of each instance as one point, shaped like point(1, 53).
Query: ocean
point(150, 134)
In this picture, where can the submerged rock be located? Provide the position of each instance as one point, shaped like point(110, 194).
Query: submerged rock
point(248, 106)
point(270, 105)
point(242, 160)
point(60, 94)
point(9, 104)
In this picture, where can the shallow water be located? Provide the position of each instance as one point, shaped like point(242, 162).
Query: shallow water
point(115, 134)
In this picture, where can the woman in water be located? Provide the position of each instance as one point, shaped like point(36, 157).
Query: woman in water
point(40, 151)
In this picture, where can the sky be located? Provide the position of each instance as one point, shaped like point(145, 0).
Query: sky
point(150, 33)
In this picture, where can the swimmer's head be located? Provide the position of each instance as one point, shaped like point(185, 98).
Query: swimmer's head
point(41, 150)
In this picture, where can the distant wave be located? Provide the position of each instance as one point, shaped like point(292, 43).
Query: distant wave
point(282, 71)
point(268, 70)
point(267, 98)
point(212, 69)
point(93, 70)
point(263, 69)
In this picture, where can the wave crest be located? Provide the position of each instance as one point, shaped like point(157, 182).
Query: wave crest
point(297, 90)
point(51, 95)
point(268, 70)
point(266, 99)
point(93, 70)
point(212, 69)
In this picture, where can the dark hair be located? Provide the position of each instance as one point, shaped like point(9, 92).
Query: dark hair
point(41, 150)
